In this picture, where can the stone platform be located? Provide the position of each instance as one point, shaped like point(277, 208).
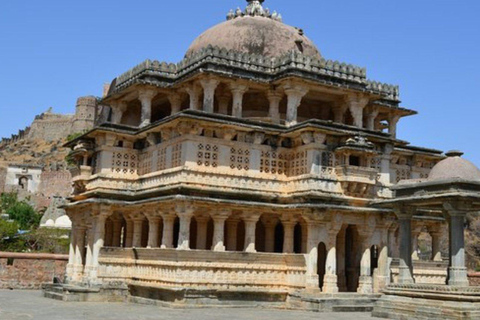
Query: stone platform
point(418, 301)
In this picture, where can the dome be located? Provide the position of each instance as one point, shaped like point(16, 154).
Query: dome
point(454, 167)
point(255, 31)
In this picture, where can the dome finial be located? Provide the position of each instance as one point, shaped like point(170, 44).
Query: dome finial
point(255, 8)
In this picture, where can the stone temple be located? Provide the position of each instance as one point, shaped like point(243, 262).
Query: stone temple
point(256, 172)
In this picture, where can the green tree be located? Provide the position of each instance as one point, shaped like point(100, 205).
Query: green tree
point(25, 215)
point(8, 229)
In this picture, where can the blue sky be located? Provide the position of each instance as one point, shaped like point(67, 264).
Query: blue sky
point(53, 51)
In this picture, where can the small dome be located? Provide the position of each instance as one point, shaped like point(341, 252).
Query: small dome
point(255, 34)
point(454, 167)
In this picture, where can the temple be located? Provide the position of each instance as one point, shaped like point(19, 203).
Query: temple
point(255, 171)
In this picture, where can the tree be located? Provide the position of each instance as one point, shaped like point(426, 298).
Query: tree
point(20, 211)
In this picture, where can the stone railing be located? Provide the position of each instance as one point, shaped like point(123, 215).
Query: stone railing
point(356, 174)
point(203, 269)
point(424, 272)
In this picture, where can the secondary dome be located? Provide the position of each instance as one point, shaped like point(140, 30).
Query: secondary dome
point(454, 167)
point(255, 31)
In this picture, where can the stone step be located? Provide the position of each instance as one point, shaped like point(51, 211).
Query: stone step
point(53, 295)
point(353, 308)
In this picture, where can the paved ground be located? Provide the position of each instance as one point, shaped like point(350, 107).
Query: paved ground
point(23, 305)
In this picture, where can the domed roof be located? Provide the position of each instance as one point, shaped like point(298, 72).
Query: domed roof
point(454, 167)
point(255, 31)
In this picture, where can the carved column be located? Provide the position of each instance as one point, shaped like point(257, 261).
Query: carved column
point(128, 231)
point(79, 253)
point(270, 224)
point(185, 213)
point(342, 280)
point(194, 93)
point(330, 280)
point(288, 223)
point(456, 213)
point(436, 234)
point(153, 229)
point(223, 102)
point(382, 276)
point(295, 94)
point(219, 229)
point(89, 253)
point(250, 220)
point(138, 219)
point(392, 125)
point(238, 90)
point(404, 215)
point(145, 96)
point(209, 86)
point(202, 228)
point(168, 225)
point(356, 105)
point(232, 226)
point(98, 242)
point(415, 234)
point(71, 251)
point(371, 117)
point(175, 100)
point(339, 110)
point(274, 98)
point(118, 109)
point(117, 232)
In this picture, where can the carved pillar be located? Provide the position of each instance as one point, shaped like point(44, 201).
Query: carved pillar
point(145, 96)
point(250, 221)
point(209, 86)
point(382, 276)
point(288, 223)
point(71, 252)
point(118, 109)
point(392, 125)
point(168, 224)
point(356, 105)
point(366, 281)
point(330, 280)
point(175, 100)
point(456, 213)
point(342, 279)
point(295, 95)
point(238, 90)
point(128, 232)
point(117, 232)
point(185, 213)
point(223, 102)
point(202, 228)
point(138, 219)
point(436, 235)
point(371, 117)
point(405, 234)
point(270, 224)
point(232, 225)
point(89, 253)
point(98, 242)
point(79, 253)
point(274, 98)
point(153, 229)
point(194, 93)
point(339, 110)
point(219, 230)
point(312, 279)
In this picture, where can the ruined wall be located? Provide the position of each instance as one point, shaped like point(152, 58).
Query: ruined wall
point(51, 127)
point(3, 178)
point(30, 271)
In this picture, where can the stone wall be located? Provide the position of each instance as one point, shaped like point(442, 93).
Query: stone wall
point(51, 127)
point(30, 271)
point(474, 278)
point(55, 183)
point(3, 178)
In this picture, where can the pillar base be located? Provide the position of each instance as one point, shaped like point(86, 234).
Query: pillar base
point(457, 277)
point(330, 284)
point(405, 276)
point(312, 282)
point(219, 248)
point(365, 285)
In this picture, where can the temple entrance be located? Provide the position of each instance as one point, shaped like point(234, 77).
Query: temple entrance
point(352, 258)
point(321, 262)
